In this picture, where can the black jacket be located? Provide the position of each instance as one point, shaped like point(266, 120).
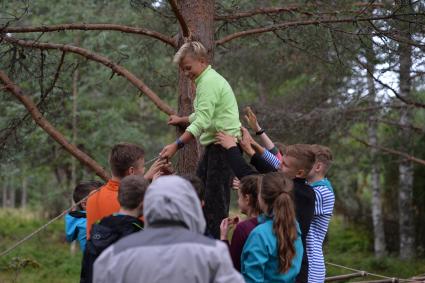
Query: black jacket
point(304, 196)
point(109, 230)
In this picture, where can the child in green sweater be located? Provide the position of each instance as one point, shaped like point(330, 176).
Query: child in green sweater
point(216, 110)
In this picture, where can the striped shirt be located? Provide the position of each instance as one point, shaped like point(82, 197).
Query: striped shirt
point(324, 204)
point(271, 159)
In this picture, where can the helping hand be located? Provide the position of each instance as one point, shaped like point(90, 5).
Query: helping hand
point(225, 140)
point(168, 151)
point(174, 120)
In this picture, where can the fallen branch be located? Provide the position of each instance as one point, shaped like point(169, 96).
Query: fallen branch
point(103, 27)
point(50, 129)
point(97, 58)
point(345, 276)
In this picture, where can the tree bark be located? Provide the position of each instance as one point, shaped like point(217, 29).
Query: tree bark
point(405, 201)
point(199, 17)
point(24, 192)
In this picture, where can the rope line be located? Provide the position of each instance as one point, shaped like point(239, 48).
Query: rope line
point(44, 226)
point(393, 279)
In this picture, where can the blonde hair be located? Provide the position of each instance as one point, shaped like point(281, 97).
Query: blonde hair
point(304, 155)
point(193, 48)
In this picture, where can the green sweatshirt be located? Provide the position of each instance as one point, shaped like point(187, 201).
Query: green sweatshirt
point(216, 109)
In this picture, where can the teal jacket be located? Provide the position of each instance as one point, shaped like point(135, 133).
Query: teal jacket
point(75, 227)
point(259, 260)
point(216, 109)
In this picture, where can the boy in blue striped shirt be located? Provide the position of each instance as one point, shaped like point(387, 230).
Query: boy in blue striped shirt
point(324, 204)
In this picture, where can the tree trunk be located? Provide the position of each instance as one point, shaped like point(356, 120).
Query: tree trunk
point(199, 16)
point(405, 201)
point(75, 78)
point(24, 193)
point(378, 223)
point(4, 194)
point(12, 197)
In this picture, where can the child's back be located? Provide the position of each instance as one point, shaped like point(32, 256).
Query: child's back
point(103, 234)
point(325, 200)
point(75, 227)
point(261, 245)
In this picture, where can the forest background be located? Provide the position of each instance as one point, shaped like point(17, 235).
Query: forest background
point(331, 78)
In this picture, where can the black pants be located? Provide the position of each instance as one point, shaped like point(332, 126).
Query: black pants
point(217, 175)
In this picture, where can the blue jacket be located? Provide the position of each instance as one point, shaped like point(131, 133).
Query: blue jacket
point(259, 256)
point(75, 227)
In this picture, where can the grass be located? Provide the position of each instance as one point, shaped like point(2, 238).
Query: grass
point(47, 257)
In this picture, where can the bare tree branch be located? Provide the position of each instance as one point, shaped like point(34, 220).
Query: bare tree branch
point(300, 23)
point(259, 11)
point(290, 9)
point(104, 27)
point(101, 59)
point(179, 16)
point(50, 129)
point(392, 151)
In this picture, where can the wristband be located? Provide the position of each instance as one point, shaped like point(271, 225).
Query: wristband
point(260, 132)
point(179, 143)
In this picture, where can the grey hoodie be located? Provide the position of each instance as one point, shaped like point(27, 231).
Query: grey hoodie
point(172, 247)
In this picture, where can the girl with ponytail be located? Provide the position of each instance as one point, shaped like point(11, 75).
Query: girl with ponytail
point(273, 251)
point(248, 205)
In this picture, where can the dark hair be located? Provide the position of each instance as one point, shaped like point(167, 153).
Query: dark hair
point(197, 184)
point(277, 193)
point(131, 191)
point(303, 154)
point(83, 189)
point(249, 186)
point(123, 156)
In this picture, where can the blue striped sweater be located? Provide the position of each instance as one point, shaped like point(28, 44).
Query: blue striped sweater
point(324, 205)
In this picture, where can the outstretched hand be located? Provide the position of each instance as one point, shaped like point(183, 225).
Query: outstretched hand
point(251, 119)
point(168, 151)
point(225, 140)
point(174, 120)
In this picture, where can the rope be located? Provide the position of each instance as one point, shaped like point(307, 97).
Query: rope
point(41, 228)
point(393, 279)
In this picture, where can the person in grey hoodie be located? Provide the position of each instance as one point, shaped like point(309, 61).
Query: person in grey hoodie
point(172, 247)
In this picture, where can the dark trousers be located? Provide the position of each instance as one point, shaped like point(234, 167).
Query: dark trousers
point(216, 175)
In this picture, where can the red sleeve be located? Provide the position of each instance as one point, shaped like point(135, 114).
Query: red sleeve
point(236, 245)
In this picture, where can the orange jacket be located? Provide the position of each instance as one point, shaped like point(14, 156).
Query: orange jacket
point(102, 203)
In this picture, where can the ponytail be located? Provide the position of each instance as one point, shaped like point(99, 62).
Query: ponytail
point(284, 227)
point(276, 192)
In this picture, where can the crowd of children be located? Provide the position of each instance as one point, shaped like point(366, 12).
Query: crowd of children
point(148, 227)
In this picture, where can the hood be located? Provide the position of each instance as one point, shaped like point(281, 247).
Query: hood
point(172, 198)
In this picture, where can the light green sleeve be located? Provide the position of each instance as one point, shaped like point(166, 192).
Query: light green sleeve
point(192, 117)
point(204, 110)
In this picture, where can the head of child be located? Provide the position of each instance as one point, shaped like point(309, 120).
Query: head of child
point(276, 200)
point(297, 160)
point(82, 190)
point(198, 185)
point(248, 195)
point(322, 164)
point(126, 159)
point(131, 193)
point(192, 58)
